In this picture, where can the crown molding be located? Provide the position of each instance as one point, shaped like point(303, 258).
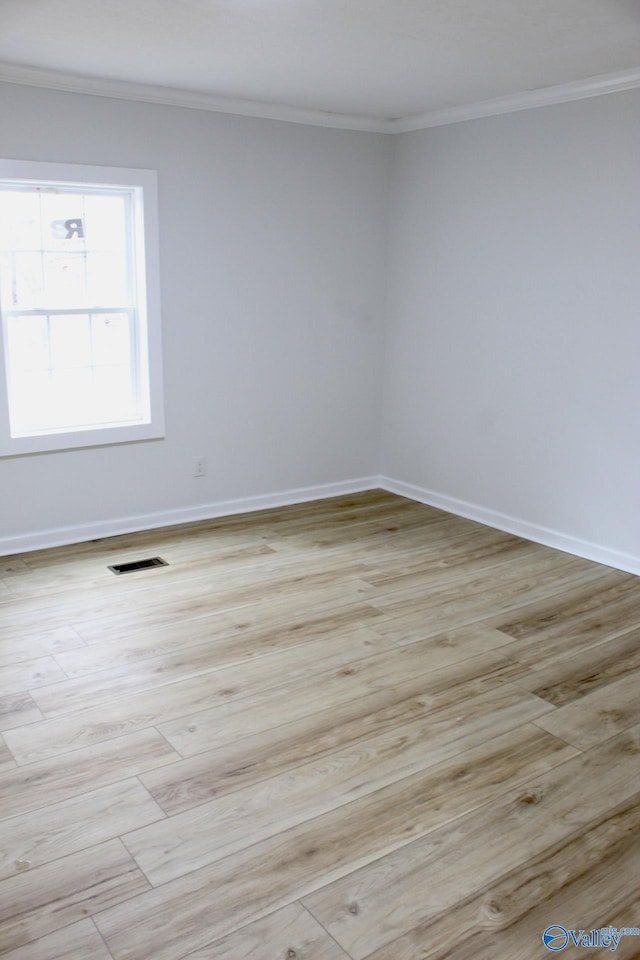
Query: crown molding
point(542, 97)
point(174, 97)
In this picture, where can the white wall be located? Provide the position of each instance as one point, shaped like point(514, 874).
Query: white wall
point(513, 347)
point(272, 244)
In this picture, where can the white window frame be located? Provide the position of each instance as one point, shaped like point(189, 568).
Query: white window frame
point(151, 425)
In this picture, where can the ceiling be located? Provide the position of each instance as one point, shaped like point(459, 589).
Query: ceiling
point(354, 62)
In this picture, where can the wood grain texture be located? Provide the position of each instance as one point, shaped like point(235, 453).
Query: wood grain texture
point(587, 880)
point(38, 785)
point(29, 674)
point(12, 565)
point(22, 647)
point(6, 757)
point(17, 709)
point(223, 826)
point(355, 728)
point(408, 674)
point(229, 637)
point(35, 838)
point(268, 874)
point(598, 715)
point(468, 713)
point(137, 711)
point(579, 616)
point(575, 676)
point(216, 609)
point(374, 905)
point(200, 659)
point(414, 613)
point(80, 940)
point(40, 900)
point(288, 934)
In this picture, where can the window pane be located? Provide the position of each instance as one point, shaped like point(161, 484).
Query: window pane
point(65, 281)
point(106, 280)
point(113, 395)
point(111, 338)
point(65, 249)
point(62, 216)
point(107, 234)
point(21, 280)
point(71, 398)
point(70, 341)
point(19, 220)
point(30, 404)
point(28, 344)
point(70, 370)
point(106, 222)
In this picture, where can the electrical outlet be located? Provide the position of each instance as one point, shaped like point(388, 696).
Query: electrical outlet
point(199, 466)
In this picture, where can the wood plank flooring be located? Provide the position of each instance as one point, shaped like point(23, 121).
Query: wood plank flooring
point(356, 729)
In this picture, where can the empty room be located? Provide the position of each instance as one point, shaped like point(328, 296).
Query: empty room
point(319, 460)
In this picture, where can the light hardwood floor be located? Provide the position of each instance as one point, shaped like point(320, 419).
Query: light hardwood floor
point(358, 728)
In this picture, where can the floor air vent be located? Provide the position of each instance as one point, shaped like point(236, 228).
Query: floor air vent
point(119, 568)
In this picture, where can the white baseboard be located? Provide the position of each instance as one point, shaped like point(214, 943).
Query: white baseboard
point(516, 526)
point(61, 536)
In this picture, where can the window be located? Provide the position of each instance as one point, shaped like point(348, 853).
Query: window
point(79, 303)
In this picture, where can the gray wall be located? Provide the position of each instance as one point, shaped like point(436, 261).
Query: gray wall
point(513, 343)
point(273, 254)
